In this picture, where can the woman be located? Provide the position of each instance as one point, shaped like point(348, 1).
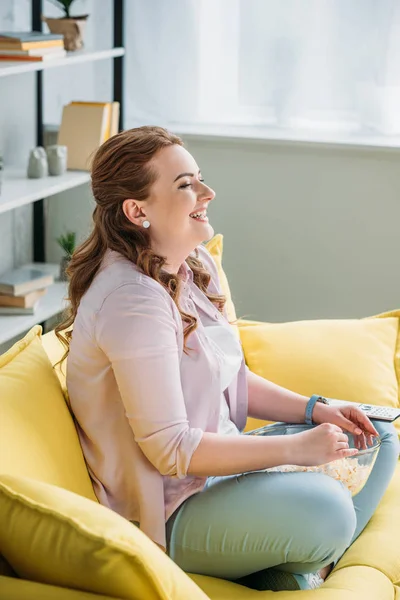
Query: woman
point(160, 391)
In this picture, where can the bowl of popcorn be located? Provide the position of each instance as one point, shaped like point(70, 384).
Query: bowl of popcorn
point(352, 471)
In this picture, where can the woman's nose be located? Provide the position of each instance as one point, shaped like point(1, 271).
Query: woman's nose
point(208, 193)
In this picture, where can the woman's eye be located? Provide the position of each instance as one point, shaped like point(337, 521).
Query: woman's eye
point(186, 185)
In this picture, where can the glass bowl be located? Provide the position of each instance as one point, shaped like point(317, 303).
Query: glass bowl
point(352, 471)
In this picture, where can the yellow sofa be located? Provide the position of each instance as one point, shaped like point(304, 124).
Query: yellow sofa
point(338, 358)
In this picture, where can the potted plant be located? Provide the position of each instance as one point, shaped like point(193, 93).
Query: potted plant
point(72, 28)
point(67, 243)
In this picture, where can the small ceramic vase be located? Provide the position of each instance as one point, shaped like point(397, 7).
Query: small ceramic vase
point(57, 159)
point(37, 166)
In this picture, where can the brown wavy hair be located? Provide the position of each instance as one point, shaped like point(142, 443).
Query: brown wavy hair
point(122, 169)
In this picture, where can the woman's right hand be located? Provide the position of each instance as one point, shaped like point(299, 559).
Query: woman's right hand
point(320, 445)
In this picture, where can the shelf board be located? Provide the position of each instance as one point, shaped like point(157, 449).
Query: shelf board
point(51, 304)
point(72, 58)
point(17, 190)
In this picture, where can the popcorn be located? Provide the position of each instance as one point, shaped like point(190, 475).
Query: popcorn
point(350, 472)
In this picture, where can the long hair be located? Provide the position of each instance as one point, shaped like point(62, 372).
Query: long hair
point(122, 169)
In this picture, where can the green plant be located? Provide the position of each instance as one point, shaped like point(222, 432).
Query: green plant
point(65, 6)
point(67, 242)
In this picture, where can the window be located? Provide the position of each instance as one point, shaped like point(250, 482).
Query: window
point(321, 64)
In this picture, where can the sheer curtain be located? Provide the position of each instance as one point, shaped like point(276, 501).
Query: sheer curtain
point(320, 64)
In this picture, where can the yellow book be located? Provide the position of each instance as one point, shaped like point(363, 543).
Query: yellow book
point(108, 106)
point(107, 132)
point(11, 45)
point(84, 127)
point(114, 118)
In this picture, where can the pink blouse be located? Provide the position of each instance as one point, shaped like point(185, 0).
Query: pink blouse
point(140, 403)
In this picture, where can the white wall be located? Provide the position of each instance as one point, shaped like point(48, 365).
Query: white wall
point(310, 232)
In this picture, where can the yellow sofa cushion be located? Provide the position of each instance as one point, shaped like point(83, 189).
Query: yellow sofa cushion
point(354, 359)
point(38, 436)
point(51, 535)
point(215, 247)
point(5, 569)
point(22, 589)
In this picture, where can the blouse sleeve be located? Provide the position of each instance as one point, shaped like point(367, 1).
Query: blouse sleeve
point(137, 332)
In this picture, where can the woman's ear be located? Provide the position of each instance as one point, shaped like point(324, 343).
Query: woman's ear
point(133, 211)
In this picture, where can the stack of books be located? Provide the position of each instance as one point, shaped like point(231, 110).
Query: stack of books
point(21, 290)
point(31, 46)
point(84, 127)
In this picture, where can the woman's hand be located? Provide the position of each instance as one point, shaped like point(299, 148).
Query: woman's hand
point(319, 445)
point(350, 418)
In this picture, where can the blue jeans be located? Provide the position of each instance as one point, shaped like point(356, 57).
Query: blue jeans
point(297, 522)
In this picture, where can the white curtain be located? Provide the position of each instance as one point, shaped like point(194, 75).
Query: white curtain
point(320, 64)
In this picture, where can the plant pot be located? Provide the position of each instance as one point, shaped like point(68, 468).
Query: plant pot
point(72, 29)
point(63, 268)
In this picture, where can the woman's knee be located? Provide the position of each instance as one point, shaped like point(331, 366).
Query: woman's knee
point(325, 522)
point(333, 517)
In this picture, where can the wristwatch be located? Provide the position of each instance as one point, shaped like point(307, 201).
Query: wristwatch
point(310, 407)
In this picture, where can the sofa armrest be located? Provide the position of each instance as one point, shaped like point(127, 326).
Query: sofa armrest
point(21, 589)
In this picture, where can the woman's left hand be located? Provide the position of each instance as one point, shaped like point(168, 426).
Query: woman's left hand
point(350, 418)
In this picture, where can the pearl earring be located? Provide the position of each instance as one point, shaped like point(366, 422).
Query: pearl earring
point(146, 224)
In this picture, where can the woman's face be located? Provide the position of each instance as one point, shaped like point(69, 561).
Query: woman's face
point(178, 194)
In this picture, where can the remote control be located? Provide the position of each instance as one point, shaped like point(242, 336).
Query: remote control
point(381, 413)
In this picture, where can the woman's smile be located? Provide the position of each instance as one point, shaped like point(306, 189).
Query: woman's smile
point(200, 215)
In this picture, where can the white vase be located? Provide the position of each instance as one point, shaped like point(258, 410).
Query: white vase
point(37, 165)
point(57, 159)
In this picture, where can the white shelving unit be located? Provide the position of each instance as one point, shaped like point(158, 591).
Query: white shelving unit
point(17, 190)
point(72, 58)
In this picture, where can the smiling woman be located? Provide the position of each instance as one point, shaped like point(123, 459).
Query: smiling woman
point(160, 391)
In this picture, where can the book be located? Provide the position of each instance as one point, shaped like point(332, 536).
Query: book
point(22, 280)
point(36, 58)
point(112, 116)
point(47, 268)
point(4, 45)
point(19, 37)
point(34, 51)
point(25, 301)
point(83, 128)
point(25, 40)
point(17, 310)
point(114, 128)
point(107, 108)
